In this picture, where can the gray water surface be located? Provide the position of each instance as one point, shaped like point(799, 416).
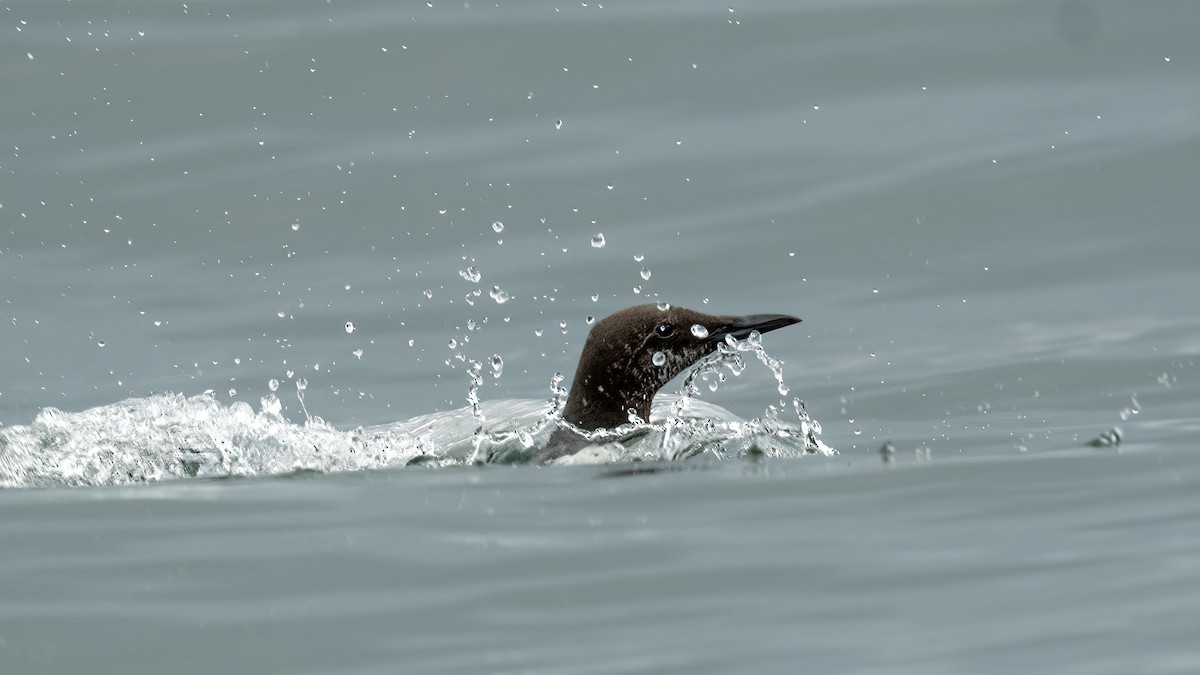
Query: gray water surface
point(984, 212)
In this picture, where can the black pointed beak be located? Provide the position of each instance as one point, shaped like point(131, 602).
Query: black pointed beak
point(741, 327)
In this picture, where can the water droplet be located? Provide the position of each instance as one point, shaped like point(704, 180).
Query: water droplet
point(638, 257)
point(659, 358)
point(699, 331)
point(557, 125)
point(598, 240)
point(357, 353)
point(291, 374)
point(281, 314)
point(497, 365)
point(471, 274)
point(663, 306)
point(590, 320)
point(595, 297)
point(428, 293)
point(101, 343)
point(499, 295)
point(301, 384)
point(498, 227)
point(562, 325)
point(453, 343)
point(610, 186)
point(349, 327)
point(645, 274)
point(295, 227)
point(538, 332)
point(273, 384)
point(232, 393)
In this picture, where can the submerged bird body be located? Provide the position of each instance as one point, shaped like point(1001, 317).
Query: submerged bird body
point(629, 355)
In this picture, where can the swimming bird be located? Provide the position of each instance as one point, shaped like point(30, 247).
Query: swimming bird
point(629, 355)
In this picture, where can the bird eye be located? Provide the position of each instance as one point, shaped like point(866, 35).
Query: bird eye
point(664, 330)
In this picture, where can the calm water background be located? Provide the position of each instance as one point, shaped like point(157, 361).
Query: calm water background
point(985, 212)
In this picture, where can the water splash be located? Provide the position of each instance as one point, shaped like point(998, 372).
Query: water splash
point(171, 436)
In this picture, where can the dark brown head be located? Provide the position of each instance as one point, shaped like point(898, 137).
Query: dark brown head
point(631, 354)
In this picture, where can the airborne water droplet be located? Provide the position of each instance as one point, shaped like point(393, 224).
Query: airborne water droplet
point(699, 331)
point(498, 227)
point(663, 306)
point(598, 240)
point(659, 358)
point(645, 274)
point(349, 326)
point(273, 384)
point(590, 320)
point(499, 295)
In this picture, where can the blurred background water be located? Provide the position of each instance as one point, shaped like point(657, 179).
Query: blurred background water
point(984, 211)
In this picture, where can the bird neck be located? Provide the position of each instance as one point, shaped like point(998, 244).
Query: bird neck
point(596, 402)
